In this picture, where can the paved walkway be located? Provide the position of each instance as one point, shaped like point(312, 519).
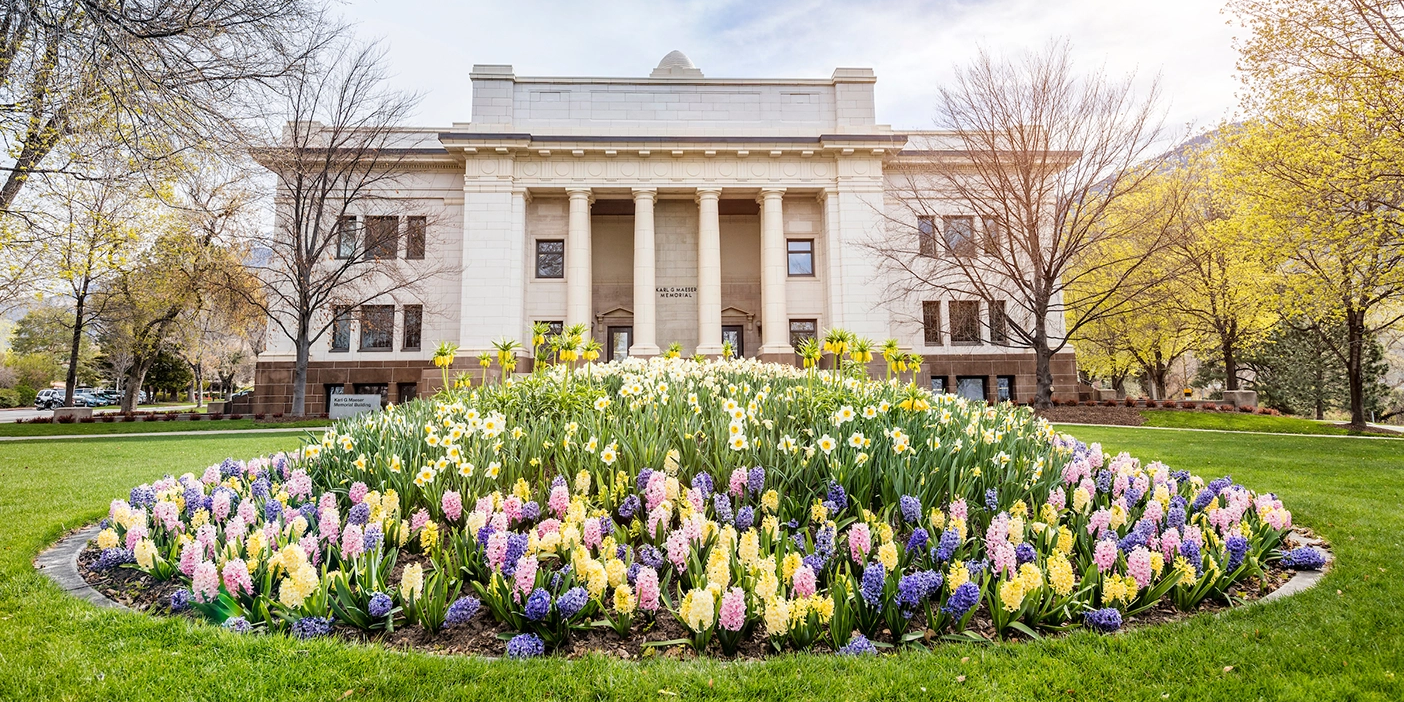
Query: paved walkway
point(1230, 431)
point(125, 435)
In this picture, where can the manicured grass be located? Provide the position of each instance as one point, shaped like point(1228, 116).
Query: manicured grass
point(1341, 640)
point(103, 428)
point(1235, 421)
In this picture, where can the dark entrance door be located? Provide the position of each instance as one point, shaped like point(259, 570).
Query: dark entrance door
point(381, 389)
point(736, 335)
point(620, 339)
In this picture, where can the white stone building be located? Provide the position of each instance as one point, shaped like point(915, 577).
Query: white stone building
point(672, 208)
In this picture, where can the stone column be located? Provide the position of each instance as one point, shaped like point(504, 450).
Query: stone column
point(709, 336)
point(775, 321)
point(579, 287)
point(645, 291)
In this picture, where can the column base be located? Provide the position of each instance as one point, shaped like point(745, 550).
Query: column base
point(708, 350)
point(782, 354)
point(641, 351)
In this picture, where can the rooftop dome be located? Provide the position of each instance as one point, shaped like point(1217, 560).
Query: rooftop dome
point(676, 65)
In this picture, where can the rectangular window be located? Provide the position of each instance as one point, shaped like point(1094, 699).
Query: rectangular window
point(382, 237)
point(415, 228)
point(414, 327)
point(330, 390)
point(345, 237)
point(377, 327)
point(994, 237)
point(1004, 388)
point(971, 387)
point(965, 322)
point(802, 329)
point(801, 256)
point(926, 236)
point(999, 324)
point(931, 322)
point(341, 328)
point(381, 389)
point(406, 392)
point(938, 384)
point(550, 258)
point(960, 235)
point(552, 329)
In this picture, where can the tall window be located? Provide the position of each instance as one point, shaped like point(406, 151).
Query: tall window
point(960, 235)
point(994, 237)
point(414, 327)
point(999, 324)
point(801, 256)
point(345, 237)
point(553, 328)
point(550, 258)
point(341, 328)
point(965, 322)
point(382, 236)
point(802, 329)
point(931, 322)
point(414, 237)
point(377, 327)
point(926, 236)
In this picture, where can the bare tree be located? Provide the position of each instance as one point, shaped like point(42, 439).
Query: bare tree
point(1013, 204)
point(341, 156)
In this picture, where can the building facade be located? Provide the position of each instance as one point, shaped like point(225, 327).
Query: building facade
point(669, 209)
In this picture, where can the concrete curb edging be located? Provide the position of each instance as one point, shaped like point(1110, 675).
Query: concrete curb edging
point(60, 563)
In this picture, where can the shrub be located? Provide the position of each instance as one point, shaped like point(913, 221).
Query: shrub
point(88, 420)
point(260, 416)
point(66, 419)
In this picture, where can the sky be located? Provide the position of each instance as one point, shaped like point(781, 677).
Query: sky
point(913, 45)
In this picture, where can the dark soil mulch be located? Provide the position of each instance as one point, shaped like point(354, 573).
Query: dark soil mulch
point(481, 636)
point(1119, 415)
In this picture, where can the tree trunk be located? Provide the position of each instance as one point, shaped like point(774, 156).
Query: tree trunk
point(1230, 363)
point(304, 349)
point(71, 379)
point(1355, 366)
point(136, 377)
point(1043, 364)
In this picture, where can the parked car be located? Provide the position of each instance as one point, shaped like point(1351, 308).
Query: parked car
point(48, 398)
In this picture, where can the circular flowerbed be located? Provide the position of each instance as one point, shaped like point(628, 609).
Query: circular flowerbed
point(734, 507)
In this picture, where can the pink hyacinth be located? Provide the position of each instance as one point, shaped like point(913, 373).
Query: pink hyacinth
point(549, 526)
point(168, 515)
point(1058, 498)
point(697, 499)
point(498, 521)
point(655, 518)
point(270, 532)
point(958, 510)
point(656, 491)
point(647, 585)
point(311, 548)
point(1005, 559)
point(206, 536)
point(136, 534)
point(1105, 555)
point(211, 476)
point(678, 549)
point(1088, 486)
point(117, 504)
point(484, 505)
point(591, 536)
point(205, 582)
point(737, 483)
point(525, 576)
point(804, 581)
point(329, 524)
point(733, 609)
point(1119, 485)
point(164, 484)
point(247, 511)
point(860, 541)
point(694, 527)
point(1094, 455)
point(1138, 566)
point(419, 519)
point(1170, 543)
point(191, 555)
point(357, 492)
point(559, 501)
point(353, 541)
point(1101, 519)
point(299, 485)
point(452, 503)
point(236, 578)
point(1154, 511)
point(512, 507)
point(497, 549)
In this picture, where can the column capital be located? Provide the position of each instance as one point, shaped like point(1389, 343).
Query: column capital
point(578, 192)
point(770, 193)
point(708, 194)
point(650, 194)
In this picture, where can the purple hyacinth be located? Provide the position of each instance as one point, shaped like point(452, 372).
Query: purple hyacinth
point(230, 468)
point(142, 496)
point(260, 488)
point(380, 605)
point(992, 500)
point(538, 605)
point(798, 540)
point(1237, 547)
point(633, 572)
point(238, 625)
point(516, 547)
point(572, 602)
point(483, 534)
point(1203, 499)
point(180, 600)
point(641, 482)
point(1180, 476)
point(1104, 620)
point(1129, 542)
point(113, 557)
point(373, 537)
point(871, 590)
point(1190, 550)
point(1024, 553)
point(859, 645)
point(962, 600)
point(950, 541)
point(824, 542)
point(837, 496)
point(911, 509)
point(755, 480)
point(721, 504)
point(558, 481)
point(629, 507)
point(702, 482)
point(272, 511)
point(1175, 516)
point(311, 627)
point(359, 515)
point(918, 540)
point(620, 551)
point(911, 590)
point(816, 562)
point(461, 610)
point(651, 556)
point(1132, 496)
point(524, 646)
point(1304, 558)
point(1104, 481)
point(975, 568)
point(745, 517)
point(309, 512)
point(531, 511)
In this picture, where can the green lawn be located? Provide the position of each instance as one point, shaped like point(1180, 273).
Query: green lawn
point(100, 428)
point(1341, 640)
point(1233, 421)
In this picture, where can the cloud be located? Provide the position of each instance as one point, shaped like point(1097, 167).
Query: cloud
point(912, 44)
